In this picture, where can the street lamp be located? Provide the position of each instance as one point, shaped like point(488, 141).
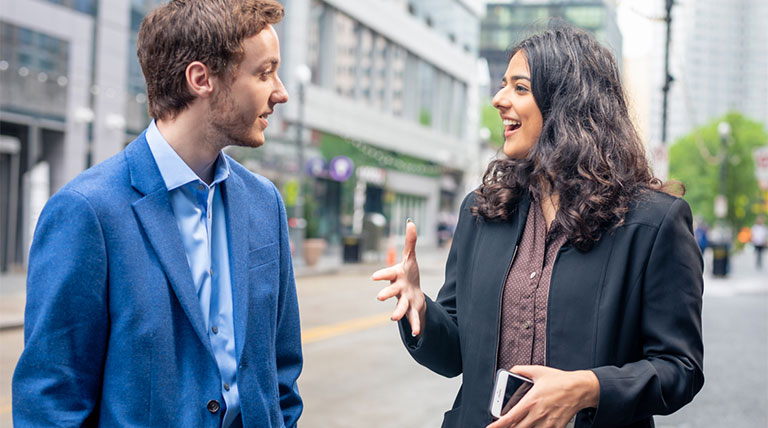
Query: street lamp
point(303, 77)
point(721, 236)
point(721, 202)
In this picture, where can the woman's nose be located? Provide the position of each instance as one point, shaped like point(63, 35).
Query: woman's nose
point(500, 101)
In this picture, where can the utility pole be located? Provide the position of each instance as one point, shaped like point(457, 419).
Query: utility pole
point(667, 77)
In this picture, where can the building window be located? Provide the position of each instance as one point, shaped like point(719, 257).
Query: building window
point(34, 73)
point(84, 6)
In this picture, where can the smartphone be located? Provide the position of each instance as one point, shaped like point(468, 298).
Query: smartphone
point(508, 389)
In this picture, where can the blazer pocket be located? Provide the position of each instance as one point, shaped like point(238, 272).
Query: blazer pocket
point(262, 255)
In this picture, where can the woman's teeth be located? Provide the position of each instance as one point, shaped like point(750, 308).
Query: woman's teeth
point(513, 123)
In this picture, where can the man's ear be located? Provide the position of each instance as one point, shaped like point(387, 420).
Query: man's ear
point(200, 82)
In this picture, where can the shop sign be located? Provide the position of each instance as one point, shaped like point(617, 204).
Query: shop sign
point(315, 167)
point(341, 168)
point(372, 175)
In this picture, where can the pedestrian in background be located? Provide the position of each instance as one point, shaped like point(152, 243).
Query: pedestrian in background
point(759, 239)
point(160, 289)
point(570, 264)
point(701, 235)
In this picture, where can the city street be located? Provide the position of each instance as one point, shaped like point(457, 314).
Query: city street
point(358, 374)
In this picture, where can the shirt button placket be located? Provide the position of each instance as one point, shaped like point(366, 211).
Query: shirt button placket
point(213, 406)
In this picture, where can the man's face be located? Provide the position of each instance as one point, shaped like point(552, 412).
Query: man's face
point(239, 111)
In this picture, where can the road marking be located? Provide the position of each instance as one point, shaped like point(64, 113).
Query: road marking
point(315, 334)
point(323, 332)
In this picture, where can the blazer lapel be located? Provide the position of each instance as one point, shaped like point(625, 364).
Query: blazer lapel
point(238, 236)
point(155, 214)
point(497, 242)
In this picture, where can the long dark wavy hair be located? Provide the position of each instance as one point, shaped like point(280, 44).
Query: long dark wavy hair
point(588, 153)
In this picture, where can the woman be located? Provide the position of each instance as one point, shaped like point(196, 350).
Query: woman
point(570, 264)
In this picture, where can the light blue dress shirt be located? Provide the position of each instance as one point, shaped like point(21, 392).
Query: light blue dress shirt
point(200, 214)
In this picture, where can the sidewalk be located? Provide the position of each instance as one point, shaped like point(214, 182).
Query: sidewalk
point(743, 278)
point(12, 300)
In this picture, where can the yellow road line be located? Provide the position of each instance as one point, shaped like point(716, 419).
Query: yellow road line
point(316, 334)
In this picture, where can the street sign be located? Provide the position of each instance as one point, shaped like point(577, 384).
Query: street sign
point(721, 206)
point(761, 166)
point(291, 192)
point(315, 167)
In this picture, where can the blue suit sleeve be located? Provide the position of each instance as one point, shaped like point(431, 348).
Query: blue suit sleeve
point(288, 337)
point(58, 378)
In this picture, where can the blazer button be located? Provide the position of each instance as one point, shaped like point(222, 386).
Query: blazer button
point(213, 406)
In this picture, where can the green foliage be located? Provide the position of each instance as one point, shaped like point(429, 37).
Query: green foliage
point(311, 216)
point(492, 121)
point(333, 145)
point(425, 117)
point(695, 161)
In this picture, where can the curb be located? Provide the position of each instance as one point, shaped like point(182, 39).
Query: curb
point(12, 325)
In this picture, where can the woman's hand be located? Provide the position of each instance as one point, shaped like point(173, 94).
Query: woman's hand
point(404, 284)
point(555, 398)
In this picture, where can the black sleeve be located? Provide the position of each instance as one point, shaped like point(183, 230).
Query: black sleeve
point(672, 371)
point(438, 347)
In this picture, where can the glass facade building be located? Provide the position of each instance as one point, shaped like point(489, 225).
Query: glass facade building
point(393, 88)
point(507, 23)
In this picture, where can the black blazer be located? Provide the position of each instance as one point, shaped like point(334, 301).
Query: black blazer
point(629, 309)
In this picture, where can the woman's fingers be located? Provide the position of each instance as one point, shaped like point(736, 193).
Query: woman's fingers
point(386, 274)
point(410, 240)
point(400, 309)
point(413, 319)
point(531, 372)
point(388, 292)
point(513, 417)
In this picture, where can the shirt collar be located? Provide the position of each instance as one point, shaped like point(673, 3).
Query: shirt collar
point(173, 169)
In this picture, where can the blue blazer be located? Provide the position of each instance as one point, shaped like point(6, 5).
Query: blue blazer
point(114, 335)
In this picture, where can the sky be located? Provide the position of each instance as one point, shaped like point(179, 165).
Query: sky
point(637, 20)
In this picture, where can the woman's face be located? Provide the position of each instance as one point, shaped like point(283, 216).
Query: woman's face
point(519, 112)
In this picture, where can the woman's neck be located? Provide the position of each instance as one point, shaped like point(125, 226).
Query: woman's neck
point(550, 202)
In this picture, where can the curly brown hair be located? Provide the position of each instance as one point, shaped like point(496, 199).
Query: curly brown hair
point(588, 153)
point(182, 31)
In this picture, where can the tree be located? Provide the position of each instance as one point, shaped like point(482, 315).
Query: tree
point(695, 160)
point(492, 120)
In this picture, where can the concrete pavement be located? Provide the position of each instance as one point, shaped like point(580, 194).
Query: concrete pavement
point(358, 374)
point(743, 278)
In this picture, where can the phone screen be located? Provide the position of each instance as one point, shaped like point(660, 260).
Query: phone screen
point(513, 392)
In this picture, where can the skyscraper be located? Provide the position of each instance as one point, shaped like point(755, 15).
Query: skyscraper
point(719, 60)
point(508, 22)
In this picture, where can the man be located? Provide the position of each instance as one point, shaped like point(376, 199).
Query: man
point(160, 290)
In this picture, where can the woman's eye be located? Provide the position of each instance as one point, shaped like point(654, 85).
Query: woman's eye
point(521, 88)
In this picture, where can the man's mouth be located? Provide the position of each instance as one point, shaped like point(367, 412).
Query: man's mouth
point(264, 120)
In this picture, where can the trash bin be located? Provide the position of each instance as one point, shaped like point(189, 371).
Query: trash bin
point(352, 248)
point(719, 259)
